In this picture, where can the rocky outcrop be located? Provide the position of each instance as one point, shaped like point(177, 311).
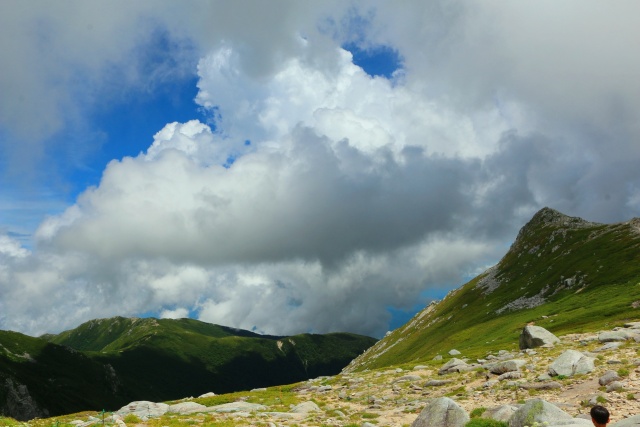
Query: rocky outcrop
point(19, 403)
point(441, 412)
point(536, 336)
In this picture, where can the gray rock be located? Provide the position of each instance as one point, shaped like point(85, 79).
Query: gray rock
point(454, 352)
point(407, 378)
point(453, 365)
point(237, 407)
point(609, 346)
point(19, 404)
point(510, 376)
point(627, 422)
point(610, 336)
point(438, 357)
point(536, 336)
point(419, 367)
point(499, 368)
point(608, 377)
point(550, 385)
point(500, 413)
point(437, 383)
point(571, 362)
point(186, 408)
point(615, 386)
point(144, 409)
point(595, 401)
point(441, 412)
point(209, 394)
point(305, 407)
point(577, 422)
point(490, 383)
point(540, 411)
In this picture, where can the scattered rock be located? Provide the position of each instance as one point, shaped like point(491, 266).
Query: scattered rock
point(454, 352)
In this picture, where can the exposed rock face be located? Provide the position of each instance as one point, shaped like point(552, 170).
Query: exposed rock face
point(536, 336)
point(540, 411)
point(571, 362)
point(442, 412)
point(19, 403)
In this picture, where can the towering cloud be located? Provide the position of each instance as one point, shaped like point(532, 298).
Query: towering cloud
point(315, 196)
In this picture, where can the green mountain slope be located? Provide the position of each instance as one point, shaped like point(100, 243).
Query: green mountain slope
point(562, 273)
point(107, 363)
point(40, 379)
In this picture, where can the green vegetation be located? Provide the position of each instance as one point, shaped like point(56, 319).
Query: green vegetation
point(132, 419)
point(623, 372)
point(485, 422)
point(477, 412)
point(588, 275)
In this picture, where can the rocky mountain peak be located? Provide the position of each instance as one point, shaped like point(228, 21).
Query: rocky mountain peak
point(550, 217)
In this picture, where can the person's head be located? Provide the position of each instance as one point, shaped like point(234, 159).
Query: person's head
point(599, 416)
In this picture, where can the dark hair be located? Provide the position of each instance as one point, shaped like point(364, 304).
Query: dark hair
point(600, 414)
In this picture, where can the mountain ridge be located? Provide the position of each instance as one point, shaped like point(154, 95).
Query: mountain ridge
point(562, 272)
point(107, 363)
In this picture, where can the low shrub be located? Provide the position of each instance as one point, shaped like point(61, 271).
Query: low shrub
point(477, 412)
point(485, 422)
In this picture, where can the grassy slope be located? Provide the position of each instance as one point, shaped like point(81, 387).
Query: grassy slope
point(603, 260)
point(53, 374)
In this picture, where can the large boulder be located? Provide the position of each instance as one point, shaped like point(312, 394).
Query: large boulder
point(442, 412)
point(571, 362)
point(536, 336)
point(540, 411)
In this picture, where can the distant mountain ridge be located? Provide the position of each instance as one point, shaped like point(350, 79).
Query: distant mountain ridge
point(563, 273)
point(106, 363)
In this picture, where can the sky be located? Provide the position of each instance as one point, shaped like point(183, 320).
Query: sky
point(289, 167)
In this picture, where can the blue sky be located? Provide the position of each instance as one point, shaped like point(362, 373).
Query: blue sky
point(334, 167)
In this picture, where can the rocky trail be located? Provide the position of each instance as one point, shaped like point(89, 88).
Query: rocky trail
point(572, 374)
